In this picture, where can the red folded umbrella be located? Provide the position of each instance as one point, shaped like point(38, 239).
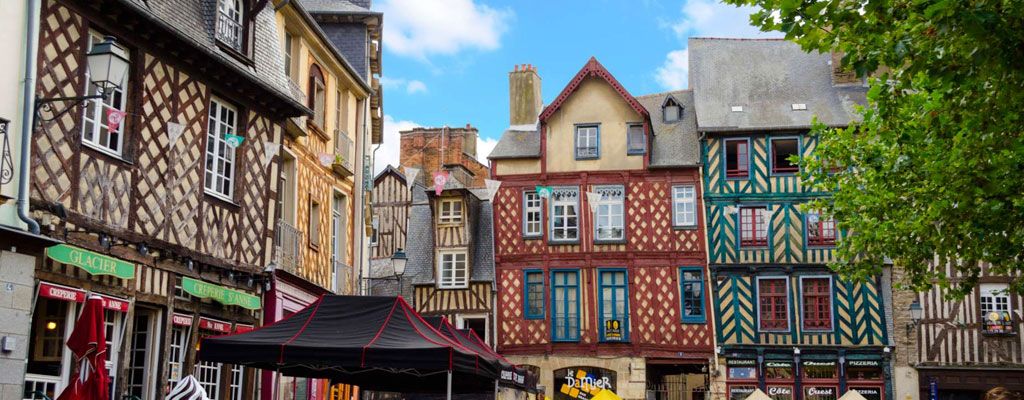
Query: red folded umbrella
point(88, 342)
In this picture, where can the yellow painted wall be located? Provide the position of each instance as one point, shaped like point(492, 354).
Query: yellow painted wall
point(595, 101)
point(517, 167)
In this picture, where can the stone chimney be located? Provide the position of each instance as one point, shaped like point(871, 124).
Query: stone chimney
point(524, 99)
point(444, 148)
point(840, 75)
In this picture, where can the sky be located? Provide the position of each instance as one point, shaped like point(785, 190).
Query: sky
point(446, 62)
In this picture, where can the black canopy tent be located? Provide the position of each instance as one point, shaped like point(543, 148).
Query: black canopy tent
point(511, 375)
point(376, 343)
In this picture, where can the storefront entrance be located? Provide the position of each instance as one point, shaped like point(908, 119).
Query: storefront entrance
point(966, 384)
point(677, 382)
point(817, 376)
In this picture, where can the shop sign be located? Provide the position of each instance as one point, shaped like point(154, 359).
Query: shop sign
point(582, 383)
point(513, 376)
point(740, 362)
point(58, 292)
point(239, 328)
point(221, 294)
point(819, 363)
point(613, 330)
point(778, 364)
point(864, 363)
point(869, 393)
point(214, 325)
point(933, 389)
point(181, 320)
point(93, 263)
point(820, 393)
point(740, 392)
point(780, 392)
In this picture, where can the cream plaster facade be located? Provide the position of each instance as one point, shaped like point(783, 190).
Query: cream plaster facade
point(594, 102)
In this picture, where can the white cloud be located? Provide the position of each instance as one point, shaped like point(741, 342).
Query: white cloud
point(672, 74)
point(415, 86)
point(389, 151)
point(710, 18)
point(390, 83)
point(484, 146)
point(418, 28)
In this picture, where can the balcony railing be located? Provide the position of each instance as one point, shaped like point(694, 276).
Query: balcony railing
point(997, 323)
point(344, 275)
point(342, 164)
point(289, 247)
point(229, 30)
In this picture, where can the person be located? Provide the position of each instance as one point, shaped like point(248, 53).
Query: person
point(1001, 393)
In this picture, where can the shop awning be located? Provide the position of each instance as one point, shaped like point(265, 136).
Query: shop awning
point(376, 343)
point(511, 375)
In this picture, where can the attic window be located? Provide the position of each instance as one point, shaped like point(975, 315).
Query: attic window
point(671, 112)
point(799, 106)
point(737, 108)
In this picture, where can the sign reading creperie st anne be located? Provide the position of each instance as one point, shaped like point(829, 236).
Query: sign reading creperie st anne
point(93, 263)
point(223, 295)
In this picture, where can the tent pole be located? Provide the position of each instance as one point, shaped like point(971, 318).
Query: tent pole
point(449, 396)
point(495, 389)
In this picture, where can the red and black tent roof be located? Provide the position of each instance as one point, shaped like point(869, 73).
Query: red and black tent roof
point(511, 375)
point(377, 343)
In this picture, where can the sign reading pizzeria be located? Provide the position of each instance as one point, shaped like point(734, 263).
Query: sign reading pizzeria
point(223, 295)
point(869, 393)
point(93, 263)
point(582, 383)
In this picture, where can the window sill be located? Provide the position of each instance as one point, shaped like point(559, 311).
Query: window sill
point(623, 341)
point(439, 287)
point(609, 241)
point(753, 247)
point(534, 318)
point(563, 242)
point(578, 158)
point(221, 198)
point(636, 153)
point(684, 227)
point(773, 331)
point(537, 237)
point(105, 153)
point(821, 246)
point(821, 330)
point(565, 340)
point(785, 173)
point(315, 128)
point(234, 53)
point(694, 321)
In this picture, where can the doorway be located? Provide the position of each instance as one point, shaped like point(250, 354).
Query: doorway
point(144, 353)
point(677, 382)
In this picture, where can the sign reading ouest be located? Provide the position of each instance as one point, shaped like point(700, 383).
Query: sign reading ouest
point(221, 294)
point(93, 263)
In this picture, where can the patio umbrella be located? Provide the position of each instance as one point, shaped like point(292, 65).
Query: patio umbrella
point(88, 343)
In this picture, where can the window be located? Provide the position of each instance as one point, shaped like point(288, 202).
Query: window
point(737, 159)
point(339, 242)
point(229, 27)
point(684, 206)
point(774, 311)
point(342, 111)
point(451, 211)
point(820, 393)
point(317, 96)
point(179, 348)
point(208, 374)
point(339, 128)
point(782, 149)
point(587, 142)
point(143, 340)
point(820, 231)
point(314, 222)
point(375, 231)
point(636, 140)
point(671, 111)
point(220, 157)
point(454, 272)
point(691, 283)
point(609, 224)
point(613, 300)
point(565, 306)
point(534, 295)
point(237, 380)
point(95, 132)
point(476, 323)
point(753, 226)
point(779, 377)
point(995, 308)
point(565, 204)
point(817, 302)
point(289, 56)
point(532, 215)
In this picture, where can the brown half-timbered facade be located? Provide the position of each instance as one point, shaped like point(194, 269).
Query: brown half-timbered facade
point(184, 213)
point(599, 249)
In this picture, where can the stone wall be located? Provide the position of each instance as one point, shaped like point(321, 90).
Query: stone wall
point(905, 353)
point(430, 149)
point(16, 285)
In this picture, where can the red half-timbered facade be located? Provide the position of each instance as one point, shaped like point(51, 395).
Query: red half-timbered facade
point(599, 248)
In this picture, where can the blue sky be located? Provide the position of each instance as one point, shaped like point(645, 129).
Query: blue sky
point(446, 62)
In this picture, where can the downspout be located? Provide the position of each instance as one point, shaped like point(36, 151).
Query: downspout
point(364, 289)
point(28, 114)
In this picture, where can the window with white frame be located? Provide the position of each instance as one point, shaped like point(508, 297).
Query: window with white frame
point(587, 142)
point(314, 222)
point(230, 17)
point(451, 211)
point(220, 157)
point(565, 223)
point(532, 215)
point(454, 272)
point(375, 233)
point(179, 348)
point(609, 219)
point(995, 307)
point(684, 205)
point(671, 112)
point(208, 373)
point(289, 56)
point(95, 130)
point(237, 379)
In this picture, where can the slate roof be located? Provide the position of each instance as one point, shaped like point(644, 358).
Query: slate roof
point(766, 77)
point(357, 75)
point(675, 144)
point(334, 7)
point(193, 21)
point(517, 143)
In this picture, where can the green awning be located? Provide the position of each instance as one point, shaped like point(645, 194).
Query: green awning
point(93, 263)
point(223, 295)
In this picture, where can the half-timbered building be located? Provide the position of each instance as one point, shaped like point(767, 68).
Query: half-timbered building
point(958, 348)
point(392, 199)
point(168, 215)
point(599, 239)
point(319, 184)
point(785, 323)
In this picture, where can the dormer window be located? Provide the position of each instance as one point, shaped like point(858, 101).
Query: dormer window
point(451, 211)
point(230, 17)
point(671, 111)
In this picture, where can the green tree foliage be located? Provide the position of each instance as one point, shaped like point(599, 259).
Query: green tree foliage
point(934, 172)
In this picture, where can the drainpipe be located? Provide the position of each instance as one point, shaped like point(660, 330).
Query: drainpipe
point(364, 288)
point(28, 114)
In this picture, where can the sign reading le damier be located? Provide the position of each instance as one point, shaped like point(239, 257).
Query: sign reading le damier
point(582, 383)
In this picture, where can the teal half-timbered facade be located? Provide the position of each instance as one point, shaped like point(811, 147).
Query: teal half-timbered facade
point(784, 322)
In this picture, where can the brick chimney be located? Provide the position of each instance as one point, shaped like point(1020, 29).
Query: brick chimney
point(524, 95)
point(422, 148)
